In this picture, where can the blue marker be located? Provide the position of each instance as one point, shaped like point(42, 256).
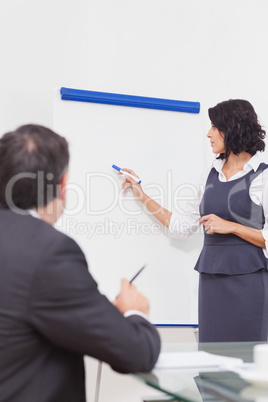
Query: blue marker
point(126, 174)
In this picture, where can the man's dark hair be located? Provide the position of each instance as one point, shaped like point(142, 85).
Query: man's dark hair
point(238, 121)
point(33, 159)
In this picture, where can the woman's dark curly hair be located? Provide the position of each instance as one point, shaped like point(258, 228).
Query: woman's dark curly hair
point(238, 121)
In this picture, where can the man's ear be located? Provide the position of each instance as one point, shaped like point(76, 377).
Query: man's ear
point(62, 186)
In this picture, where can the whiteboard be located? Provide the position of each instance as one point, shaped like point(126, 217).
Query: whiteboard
point(116, 233)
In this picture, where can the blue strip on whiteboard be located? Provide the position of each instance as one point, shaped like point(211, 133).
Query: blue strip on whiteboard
point(129, 100)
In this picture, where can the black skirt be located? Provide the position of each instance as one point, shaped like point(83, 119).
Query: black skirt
point(233, 308)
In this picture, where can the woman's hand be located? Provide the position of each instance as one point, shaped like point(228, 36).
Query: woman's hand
point(213, 224)
point(162, 214)
point(130, 183)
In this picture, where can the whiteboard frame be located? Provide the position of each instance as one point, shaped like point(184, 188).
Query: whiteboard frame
point(58, 98)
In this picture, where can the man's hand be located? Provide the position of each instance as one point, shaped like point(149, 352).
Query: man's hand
point(130, 299)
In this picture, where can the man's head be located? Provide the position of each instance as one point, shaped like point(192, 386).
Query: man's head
point(33, 163)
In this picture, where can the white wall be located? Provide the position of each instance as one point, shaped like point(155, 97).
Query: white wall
point(43, 44)
point(120, 46)
point(206, 50)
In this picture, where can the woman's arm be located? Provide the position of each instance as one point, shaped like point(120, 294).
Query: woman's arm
point(162, 214)
point(213, 224)
point(264, 203)
point(259, 195)
point(184, 220)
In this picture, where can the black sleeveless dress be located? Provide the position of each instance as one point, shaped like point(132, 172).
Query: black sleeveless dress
point(233, 283)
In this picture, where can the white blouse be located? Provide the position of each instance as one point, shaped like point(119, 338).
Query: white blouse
point(182, 225)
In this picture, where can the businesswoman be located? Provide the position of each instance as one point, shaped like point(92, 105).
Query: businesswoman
point(233, 209)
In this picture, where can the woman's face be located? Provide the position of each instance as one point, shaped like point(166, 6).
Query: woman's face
point(216, 140)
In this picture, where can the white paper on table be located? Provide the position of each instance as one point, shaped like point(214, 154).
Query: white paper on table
point(195, 360)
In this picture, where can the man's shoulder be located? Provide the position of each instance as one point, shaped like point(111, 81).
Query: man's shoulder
point(24, 229)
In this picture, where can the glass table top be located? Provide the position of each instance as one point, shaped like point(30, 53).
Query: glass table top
point(194, 385)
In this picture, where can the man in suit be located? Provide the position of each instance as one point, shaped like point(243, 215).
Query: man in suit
point(51, 312)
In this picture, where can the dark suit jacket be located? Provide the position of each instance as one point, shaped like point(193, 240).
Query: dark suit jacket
point(51, 314)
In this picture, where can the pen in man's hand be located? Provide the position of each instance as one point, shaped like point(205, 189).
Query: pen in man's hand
point(135, 276)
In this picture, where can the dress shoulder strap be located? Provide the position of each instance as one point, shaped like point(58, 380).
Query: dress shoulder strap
point(252, 175)
point(211, 176)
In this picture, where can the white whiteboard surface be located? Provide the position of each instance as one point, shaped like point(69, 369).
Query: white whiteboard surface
point(115, 232)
